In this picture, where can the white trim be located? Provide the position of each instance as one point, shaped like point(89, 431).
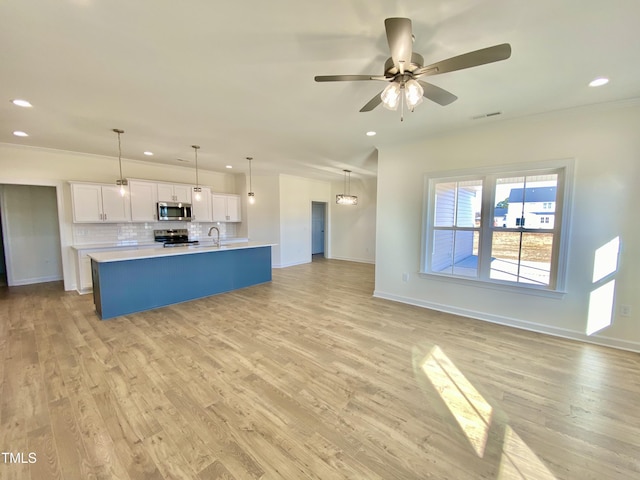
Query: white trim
point(292, 264)
point(488, 175)
point(514, 322)
point(30, 281)
point(494, 285)
point(357, 260)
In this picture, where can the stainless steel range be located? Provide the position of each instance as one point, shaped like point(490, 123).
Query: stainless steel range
point(178, 237)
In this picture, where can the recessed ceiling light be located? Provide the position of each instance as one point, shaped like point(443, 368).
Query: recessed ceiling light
point(148, 154)
point(598, 82)
point(21, 103)
point(371, 133)
point(18, 133)
point(229, 166)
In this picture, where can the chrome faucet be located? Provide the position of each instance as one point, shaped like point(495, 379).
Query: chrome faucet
point(217, 244)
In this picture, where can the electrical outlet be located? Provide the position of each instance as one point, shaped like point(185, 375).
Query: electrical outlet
point(405, 277)
point(625, 310)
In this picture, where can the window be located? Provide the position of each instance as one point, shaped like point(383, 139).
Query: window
point(501, 226)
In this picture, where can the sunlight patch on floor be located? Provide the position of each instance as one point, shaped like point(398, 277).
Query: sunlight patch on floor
point(474, 416)
point(519, 462)
point(469, 408)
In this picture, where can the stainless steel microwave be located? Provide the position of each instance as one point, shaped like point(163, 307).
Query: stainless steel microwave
point(175, 211)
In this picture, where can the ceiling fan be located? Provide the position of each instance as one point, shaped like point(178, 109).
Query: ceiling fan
point(405, 67)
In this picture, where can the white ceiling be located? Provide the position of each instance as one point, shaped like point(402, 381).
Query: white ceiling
point(236, 78)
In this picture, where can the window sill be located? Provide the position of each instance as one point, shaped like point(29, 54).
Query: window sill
point(503, 287)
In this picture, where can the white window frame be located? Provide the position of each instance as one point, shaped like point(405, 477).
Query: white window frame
point(561, 231)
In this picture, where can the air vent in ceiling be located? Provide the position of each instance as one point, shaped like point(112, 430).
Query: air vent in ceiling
point(486, 115)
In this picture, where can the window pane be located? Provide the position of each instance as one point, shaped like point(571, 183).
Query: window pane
point(469, 203)
point(441, 258)
point(527, 202)
point(458, 203)
point(445, 204)
point(466, 254)
point(455, 252)
point(521, 257)
point(535, 263)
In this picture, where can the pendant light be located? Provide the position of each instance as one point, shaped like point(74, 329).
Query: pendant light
point(121, 182)
point(252, 196)
point(346, 198)
point(197, 190)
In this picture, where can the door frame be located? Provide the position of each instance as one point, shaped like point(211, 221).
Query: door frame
point(326, 228)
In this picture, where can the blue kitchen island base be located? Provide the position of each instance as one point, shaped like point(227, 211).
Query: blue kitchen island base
point(138, 284)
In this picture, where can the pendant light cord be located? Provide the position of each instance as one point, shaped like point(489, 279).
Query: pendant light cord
point(347, 186)
point(196, 147)
point(118, 131)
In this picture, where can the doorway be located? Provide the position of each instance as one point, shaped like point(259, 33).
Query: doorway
point(30, 234)
point(3, 263)
point(318, 221)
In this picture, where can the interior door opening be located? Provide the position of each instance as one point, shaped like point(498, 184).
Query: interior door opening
point(31, 241)
point(318, 221)
point(3, 263)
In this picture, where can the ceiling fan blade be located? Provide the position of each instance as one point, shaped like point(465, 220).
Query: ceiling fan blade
point(347, 78)
point(373, 103)
point(400, 41)
point(437, 94)
point(467, 60)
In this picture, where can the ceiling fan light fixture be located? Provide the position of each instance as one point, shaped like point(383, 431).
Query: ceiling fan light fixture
point(413, 92)
point(391, 96)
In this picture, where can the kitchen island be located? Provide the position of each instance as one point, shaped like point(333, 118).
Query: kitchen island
point(132, 281)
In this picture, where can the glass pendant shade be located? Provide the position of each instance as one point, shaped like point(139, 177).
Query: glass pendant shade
point(391, 96)
point(346, 198)
point(413, 92)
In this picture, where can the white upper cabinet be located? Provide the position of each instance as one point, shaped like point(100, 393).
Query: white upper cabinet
point(226, 207)
point(144, 196)
point(233, 208)
point(202, 208)
point(168, 192)
point(93, 203)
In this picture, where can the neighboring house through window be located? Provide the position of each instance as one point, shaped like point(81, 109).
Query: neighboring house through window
point(502, 226)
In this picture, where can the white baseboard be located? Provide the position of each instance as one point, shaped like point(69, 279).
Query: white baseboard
point(514, 322)
point(357, 260)
point(292, 264)
point(31, 281)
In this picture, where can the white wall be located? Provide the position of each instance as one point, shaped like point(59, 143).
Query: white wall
point(30, 231)
point(296, 195)
point(21, 164)
point(353, 227)
point(605, 143)
point(282, 215)
point(263, 217)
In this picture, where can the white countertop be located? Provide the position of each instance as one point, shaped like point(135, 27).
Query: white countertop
point(140, 253)
point(150, 244)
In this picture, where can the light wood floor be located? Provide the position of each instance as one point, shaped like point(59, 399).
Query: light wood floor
point(304, 377)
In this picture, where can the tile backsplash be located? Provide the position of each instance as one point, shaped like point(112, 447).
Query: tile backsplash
point(137, 233)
